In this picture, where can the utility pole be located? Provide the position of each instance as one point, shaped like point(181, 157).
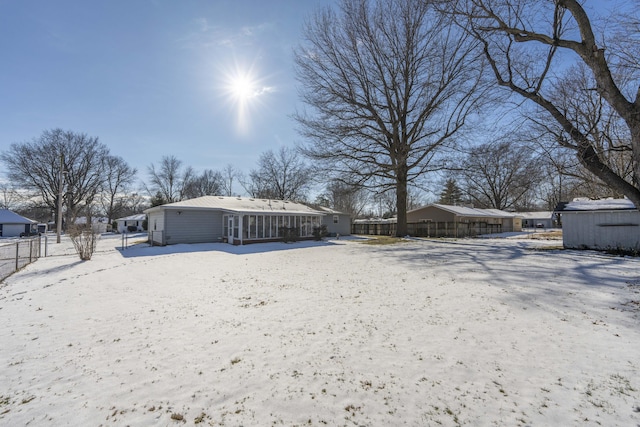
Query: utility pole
point(61, 176)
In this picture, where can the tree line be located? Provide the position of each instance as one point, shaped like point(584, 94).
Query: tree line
point(404, 98)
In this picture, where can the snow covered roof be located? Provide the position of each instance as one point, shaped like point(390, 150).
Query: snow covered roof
point(10, 217)
point(138, 217)
point(240, 205)
point(471, 212)
point(536, 215)
point(329, 210)
point(599, 205)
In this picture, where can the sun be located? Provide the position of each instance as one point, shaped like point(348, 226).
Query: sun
point(245, 92)
point(242, 88)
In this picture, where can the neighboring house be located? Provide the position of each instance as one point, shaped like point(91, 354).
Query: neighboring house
point(338, 223)
point(98, 224)
point(236, 220)
point(12, 224)
point(465, 219)
point(544, 219)
point(608, 224)
point(136, 221)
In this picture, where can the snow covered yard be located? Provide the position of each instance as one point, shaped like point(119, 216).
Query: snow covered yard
point(466, 332)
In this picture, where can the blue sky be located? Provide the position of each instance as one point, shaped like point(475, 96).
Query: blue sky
point(210, 82)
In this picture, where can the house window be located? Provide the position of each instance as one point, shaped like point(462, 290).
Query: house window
point(336, 218)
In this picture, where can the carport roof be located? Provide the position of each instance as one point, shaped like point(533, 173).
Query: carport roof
point(241, 205)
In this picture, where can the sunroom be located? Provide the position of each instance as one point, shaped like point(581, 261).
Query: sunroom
point(235, 220)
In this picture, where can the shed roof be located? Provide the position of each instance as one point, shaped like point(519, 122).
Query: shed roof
point(240, 205)
point(10, 217)
point(598, 205)
point(471, 212)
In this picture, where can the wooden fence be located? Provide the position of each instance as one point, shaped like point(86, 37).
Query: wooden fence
point(430, 229)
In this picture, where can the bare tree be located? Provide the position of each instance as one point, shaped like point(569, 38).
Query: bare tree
point(500, 175)
point(118, 177)
point(344, 198)
point(169, 180)
point(524, 43)
point(389, 84)
point(40, 165)
point(280, 175)
point(9, 197)
point(208, 183)
point(229, 174)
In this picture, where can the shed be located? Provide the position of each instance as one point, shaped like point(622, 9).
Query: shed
point(12, 224)
point(236, 220)
point(607, 224)
point(134, 221)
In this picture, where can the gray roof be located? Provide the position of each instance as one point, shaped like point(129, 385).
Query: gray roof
point(10, 217)
point(471, 212)
point(240, 205)
point(138, 217)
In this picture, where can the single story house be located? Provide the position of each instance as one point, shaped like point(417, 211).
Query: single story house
point(12, 224)
point(337, 223)
point(608, 224)
point(543, 219)
point(136, 221)
point(236, 220)
point(98, 224)
point(463, 220)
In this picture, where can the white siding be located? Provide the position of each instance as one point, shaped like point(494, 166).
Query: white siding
point(156, 227)
point(601, 229)
point(192, 226)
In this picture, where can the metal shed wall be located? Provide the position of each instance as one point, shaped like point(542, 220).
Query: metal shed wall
point(601, 230)
point(192, 226)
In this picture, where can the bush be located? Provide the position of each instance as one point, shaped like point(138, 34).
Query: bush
point(132, 228)
point(320, 231)
point(84, 240)
point(289, 234)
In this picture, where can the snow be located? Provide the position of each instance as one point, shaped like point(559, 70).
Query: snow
point(424, 332)
point(599, 205)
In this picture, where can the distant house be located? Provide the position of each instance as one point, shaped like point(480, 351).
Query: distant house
point(337, 223)
point(134, 221)
point(437, 220)
point(542, 219)
point(609, 224)
point(98, 224)
point(463, 220)
point(13, 225)
point(236, 220)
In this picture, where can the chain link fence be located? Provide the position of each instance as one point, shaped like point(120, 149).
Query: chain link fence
point(15, 254)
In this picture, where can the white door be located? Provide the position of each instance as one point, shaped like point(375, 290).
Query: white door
point(230, 229)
